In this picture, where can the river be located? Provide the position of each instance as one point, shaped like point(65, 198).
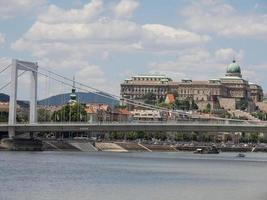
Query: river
point(132, 176)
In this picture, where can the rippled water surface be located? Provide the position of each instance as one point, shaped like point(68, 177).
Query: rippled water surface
point(132, 176)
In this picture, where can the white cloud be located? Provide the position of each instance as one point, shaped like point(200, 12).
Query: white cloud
point(63, 30)
point(157, 34)
point(69, 39)
point(223, 19)
point(256, 73)
point(55, 14)
point(2, 38)
point(91, 74)
point(99, 30)
point(13, 8)
point(125, 8)
point(228, 53)
point(197, 63)
point(108, 34)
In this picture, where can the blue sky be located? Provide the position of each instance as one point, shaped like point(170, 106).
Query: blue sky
point(102, 42)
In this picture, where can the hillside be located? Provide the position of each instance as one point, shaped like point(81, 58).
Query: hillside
point(81, 97)
point(5, 98)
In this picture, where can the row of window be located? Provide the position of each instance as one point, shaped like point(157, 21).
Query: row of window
point(146, 79)
point(143, 90)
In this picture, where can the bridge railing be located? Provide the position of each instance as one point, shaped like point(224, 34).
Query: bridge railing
point(231, 122)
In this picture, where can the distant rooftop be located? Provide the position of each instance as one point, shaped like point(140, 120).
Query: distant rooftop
point(150, 76)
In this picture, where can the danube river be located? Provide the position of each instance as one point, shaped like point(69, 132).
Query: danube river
point(131, 176)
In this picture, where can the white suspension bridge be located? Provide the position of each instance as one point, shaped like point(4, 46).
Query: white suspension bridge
point(13, 127)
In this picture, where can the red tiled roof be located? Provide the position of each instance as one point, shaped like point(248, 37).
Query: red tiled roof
point(170, 98)
point(124, 112)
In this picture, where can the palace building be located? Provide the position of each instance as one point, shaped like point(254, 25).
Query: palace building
point(228, 92)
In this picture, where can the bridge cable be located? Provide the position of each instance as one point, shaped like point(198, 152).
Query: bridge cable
point(70, 85)
point(109, 94)
point(5, 68)
point(131, 102)
point(137, 104)
point(7, 84)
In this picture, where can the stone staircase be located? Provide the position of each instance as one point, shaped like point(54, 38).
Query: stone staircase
point(131, 146)
point(59, 146)
point(159, 148)
point(107, 146)
point(84, 146)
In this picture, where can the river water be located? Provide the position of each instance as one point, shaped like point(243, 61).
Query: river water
point(132, 176)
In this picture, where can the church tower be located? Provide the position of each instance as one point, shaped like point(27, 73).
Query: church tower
point(73, 96)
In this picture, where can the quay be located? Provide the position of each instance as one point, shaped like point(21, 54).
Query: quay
point(114, 146)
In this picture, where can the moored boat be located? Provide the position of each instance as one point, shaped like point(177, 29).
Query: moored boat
point(241, 155)
point(207, 150)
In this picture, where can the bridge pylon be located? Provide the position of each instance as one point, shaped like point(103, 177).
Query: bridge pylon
point(24, 66)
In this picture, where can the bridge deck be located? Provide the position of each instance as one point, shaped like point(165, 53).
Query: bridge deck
point(177, 127)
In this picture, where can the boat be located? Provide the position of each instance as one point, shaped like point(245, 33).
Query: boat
point(207, 150)
point(241, 155)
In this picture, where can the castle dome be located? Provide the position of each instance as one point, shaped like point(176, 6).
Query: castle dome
point(233, 69)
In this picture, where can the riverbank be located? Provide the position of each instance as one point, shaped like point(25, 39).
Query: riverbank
point(122, 146)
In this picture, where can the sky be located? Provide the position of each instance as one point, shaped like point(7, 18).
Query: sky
point(103, 42)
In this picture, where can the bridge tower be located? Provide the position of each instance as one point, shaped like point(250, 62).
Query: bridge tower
point(24, 66)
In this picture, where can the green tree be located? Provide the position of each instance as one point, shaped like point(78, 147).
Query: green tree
point(44, 115)
point(194, 106)
point(165, 105)
point(131, 135)
point(254, 137)
point(4, 116)
point(182, 104)
point(179, 137)
point(149, 98)
point(74, 112)
point(243, 104)
point(160, 136)
point(118, 106)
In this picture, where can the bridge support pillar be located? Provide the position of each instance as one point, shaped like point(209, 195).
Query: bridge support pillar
point(11, 132)
point(25, 66)
point(13, 94)
point(33, 100)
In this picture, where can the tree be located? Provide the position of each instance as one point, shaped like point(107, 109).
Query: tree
point(118, 106)
point(254, 137)
point(243, 104)
point(207, 109)
point(4, 116)
point(182, 104)
point(149, 98)
point(179, 137)
point(43, 115)
point(73, 112)
point(160, 136)
point(194, 106)
point(165, 105)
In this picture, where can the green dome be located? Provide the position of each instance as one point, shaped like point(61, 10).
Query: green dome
point(233, 68)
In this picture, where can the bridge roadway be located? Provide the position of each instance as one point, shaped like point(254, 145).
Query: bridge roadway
point(152, 127)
